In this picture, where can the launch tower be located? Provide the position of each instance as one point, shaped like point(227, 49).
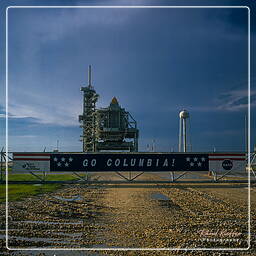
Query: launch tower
point(111, 128)
point(87, 119)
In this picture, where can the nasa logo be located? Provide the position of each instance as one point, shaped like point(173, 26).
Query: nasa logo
point(25, 166)
point(227, 164)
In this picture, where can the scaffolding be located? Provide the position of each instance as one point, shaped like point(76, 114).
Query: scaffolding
point(87, 119)
point(116, 129)
point(110, 128)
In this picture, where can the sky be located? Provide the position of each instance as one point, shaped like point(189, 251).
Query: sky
point(157, 62)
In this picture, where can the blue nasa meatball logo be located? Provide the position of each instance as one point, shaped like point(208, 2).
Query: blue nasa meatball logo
point(25, 166)
point(227, 164)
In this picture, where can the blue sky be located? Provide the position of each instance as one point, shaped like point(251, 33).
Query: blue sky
point(155, 61)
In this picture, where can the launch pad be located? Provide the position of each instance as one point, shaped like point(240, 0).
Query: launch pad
point(106, 134)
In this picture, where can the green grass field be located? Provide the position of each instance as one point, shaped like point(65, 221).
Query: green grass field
point(21, 191)
point(30, 177)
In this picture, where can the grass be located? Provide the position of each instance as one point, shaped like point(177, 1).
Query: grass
point(21, 191)
point(30, 177)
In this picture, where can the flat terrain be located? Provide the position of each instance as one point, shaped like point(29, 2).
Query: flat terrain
point(134, 216)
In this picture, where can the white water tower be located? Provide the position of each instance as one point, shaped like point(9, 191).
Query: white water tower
point(183, 133)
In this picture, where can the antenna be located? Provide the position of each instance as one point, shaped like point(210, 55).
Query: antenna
point(90, 75)
point(153, 145)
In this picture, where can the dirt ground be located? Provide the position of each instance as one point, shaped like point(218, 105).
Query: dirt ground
point(121, 216)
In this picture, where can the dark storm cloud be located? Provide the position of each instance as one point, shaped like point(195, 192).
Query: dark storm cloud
point(156, 62)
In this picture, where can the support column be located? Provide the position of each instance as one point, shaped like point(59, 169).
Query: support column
point(184, 136)
point(180, 135)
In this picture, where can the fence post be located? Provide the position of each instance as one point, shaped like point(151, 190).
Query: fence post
point(2, 152)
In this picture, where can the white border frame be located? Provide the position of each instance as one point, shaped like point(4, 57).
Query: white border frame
point(132, 249)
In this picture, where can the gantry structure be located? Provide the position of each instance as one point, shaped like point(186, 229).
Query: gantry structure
point(87, 119)
point(106, 129)
point(116, 129)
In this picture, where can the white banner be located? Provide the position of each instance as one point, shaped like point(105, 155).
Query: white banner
point(26, 162)
point(224, 162)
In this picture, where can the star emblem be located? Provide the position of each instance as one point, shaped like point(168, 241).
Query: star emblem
point(70, 159)
point(59, 163)
point(188, 159)
point(199, 164)
point(191, 164)
point(63, 159)
point(55, 159)
point(203, 159)
point(66, 164)
point(195, 159)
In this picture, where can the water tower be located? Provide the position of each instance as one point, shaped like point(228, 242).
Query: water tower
point(183, 132)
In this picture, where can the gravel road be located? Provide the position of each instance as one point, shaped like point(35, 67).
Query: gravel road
point(132, 216)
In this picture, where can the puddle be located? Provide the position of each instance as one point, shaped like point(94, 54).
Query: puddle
point(56, 233)
point(35, 239)
point(59, 252)
point(165, 201)
point(159, 196)
point(48, 222)
point(76, 198)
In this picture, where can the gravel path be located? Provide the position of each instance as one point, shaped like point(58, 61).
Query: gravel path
point(134, 216)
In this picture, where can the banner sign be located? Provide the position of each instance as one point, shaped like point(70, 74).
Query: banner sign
point(123, 162)
point(24, 162)
point(235, 162)
point(140, 162)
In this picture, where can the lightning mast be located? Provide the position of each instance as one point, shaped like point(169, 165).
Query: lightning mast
point(87, 119)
